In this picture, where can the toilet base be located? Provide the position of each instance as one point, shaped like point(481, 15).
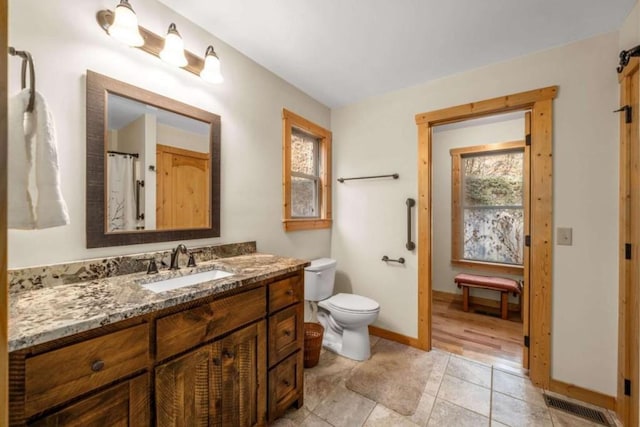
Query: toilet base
point(352, 343)
point(355, 344)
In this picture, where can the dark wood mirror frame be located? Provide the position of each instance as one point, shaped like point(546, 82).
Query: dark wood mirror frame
point(98, 88)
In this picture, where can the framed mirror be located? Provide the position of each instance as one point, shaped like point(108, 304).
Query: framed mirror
point(153, 167)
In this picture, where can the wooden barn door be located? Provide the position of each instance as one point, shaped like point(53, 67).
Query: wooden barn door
point(629, 247)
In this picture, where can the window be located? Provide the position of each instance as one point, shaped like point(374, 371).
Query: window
point(488, 190)
point(306, 174)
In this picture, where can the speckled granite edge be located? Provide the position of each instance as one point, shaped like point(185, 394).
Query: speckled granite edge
point(100, 268)
point(45, 314)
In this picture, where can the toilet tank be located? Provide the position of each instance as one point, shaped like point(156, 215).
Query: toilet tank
point(319, 279)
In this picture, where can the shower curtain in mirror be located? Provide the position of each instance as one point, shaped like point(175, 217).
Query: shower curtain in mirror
point(121, 193)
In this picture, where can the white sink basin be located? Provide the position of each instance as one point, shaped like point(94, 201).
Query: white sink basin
point(184, 281)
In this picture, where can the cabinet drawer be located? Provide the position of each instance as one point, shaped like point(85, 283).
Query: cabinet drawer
point(59, 375)
point(286, 385)
point(285, 292)
point(126, 404)
point(286, 333)
point(187, 329)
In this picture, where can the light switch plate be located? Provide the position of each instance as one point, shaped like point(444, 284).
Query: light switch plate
point(564, 236)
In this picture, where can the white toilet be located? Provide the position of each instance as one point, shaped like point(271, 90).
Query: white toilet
point(345, 317)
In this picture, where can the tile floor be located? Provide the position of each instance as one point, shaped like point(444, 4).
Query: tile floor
point(459, 392)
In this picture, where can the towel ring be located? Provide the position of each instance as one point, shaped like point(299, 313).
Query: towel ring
point(27, 59)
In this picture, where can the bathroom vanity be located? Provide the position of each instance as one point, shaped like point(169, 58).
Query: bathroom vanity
point(109, 352)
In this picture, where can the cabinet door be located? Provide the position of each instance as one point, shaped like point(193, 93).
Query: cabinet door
point(124, 405)
point(286, 333)
point(185, 392)
point(243, 377)
point(221, 384)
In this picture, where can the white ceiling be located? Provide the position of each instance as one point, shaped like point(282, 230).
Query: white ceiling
point(342, 51)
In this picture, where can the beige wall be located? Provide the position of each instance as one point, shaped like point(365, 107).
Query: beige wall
point(503, 128)
point(379, 135)
point(131, 138)
point(147, 159)
point(66, 41)
point(174, 137)
point(630, 30)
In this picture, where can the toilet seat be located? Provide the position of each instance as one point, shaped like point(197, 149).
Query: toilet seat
point(350, 303)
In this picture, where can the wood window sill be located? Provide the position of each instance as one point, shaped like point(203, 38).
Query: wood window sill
point(306, 224)
point(516, 270)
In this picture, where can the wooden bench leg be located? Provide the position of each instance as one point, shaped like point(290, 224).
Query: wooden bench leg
point(504, 305)
point(465, 298)
point(520, 306)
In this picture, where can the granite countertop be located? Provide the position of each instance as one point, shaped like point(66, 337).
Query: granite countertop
point(42, 315)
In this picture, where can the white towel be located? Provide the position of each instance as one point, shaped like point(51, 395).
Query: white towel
point(20, 207)
point(29, 132)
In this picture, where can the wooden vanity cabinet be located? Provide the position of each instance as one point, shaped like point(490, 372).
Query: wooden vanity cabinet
point(234, 360)
point(286, 344)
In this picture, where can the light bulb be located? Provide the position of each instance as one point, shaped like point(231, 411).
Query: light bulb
point(173, 51)
point(211, 70)
point(125, 25)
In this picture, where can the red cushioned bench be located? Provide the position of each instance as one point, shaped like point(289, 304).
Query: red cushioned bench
point(502, 284)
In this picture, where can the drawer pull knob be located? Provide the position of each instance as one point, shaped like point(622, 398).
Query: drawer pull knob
point(216, 361)
point(287, 333)
point(97, 366)
point(286, 383)
point(228, 354)
point(290, 292)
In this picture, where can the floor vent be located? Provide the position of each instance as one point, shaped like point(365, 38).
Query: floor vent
point(578, 410)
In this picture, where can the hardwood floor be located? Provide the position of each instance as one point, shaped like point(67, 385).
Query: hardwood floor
point(480, 337)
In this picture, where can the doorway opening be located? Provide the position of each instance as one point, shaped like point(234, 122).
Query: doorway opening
point(536, 303)
point(480, 189)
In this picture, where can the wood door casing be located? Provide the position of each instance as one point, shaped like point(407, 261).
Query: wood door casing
point(540, 102)
point(183, 197)
point(524, 298)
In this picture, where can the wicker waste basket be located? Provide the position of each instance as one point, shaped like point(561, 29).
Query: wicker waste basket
point(313, 333)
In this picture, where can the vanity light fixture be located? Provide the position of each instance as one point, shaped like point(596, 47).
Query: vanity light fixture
point(173, 51)
point(125, 25)
point(170, 49)
point(211, 70)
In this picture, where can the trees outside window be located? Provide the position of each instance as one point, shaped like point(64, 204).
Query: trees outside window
point(306, 174)
point(488, 204)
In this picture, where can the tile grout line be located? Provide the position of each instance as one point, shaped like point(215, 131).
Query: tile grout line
point(463, 380)
point(435, 399)
point(370, 412)
point(491, 398)
point(337, 385)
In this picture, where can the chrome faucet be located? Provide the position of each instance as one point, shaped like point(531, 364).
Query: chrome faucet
point(181, 248)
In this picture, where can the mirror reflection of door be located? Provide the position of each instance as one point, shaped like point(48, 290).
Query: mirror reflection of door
point(182, 188)
point(158, 172)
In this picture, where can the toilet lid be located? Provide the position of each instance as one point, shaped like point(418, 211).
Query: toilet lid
point(351, 302)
